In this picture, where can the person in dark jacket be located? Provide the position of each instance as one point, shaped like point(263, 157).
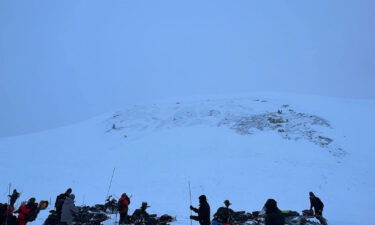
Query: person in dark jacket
point(140, 215)
point(317, 205)
point(60, 201)
point(273, 213)
point(69, 210)
point(6, 210)
point(203, 211)
point(13, 197)
point(123, 208)
point(224, 214)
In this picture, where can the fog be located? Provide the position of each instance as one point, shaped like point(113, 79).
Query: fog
point(63, 61)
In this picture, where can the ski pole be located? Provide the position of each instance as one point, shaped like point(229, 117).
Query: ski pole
point(8, 206)
point(191, 222)
point(110, 183)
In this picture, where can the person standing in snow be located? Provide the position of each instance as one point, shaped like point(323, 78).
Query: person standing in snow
point(60, 201)
point(317, 205)
point(223, 214)
point(123, 208)
point(273, 213)
point(203, 211)
point(68, 210)
point(13, 197)
point(27, 212)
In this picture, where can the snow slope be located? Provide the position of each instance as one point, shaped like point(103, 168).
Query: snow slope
point(245, 149)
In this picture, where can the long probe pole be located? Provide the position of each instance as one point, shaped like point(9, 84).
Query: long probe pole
point(191, 222)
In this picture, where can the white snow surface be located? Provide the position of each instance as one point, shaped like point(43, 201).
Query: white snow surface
point(236, 148)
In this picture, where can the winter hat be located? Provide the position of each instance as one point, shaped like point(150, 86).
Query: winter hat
point(123, 195)
point(311, 194)
point(69, 190)
point(32, 200)
point(203, 198)
point(144, 205)
point(227, 202)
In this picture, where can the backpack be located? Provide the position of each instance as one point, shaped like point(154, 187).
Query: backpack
point(33, 214)
point(60, 202)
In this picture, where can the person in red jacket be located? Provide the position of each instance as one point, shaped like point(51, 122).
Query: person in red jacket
point(27, 212)
point(123, 208)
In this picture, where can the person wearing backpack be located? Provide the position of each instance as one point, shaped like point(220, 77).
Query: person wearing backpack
point(123, 208)
point(27, 212)
point(68, 210)
point(60, 201)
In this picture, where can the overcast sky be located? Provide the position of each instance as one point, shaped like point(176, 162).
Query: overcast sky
point(62, 61)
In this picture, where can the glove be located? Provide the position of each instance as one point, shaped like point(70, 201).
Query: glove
point(191, 207)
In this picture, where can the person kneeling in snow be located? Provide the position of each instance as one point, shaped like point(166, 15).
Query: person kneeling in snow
point(273, 213)
point(224, 214)
point(140, 215)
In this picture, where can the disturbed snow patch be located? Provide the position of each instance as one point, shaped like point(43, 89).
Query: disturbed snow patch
point(290, 125)
point(244, 116)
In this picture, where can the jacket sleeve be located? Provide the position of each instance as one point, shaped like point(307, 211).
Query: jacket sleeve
point(195, 209)
point(194, 218)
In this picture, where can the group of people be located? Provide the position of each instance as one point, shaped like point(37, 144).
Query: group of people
point(65, 210)
point(140, 215)
point(272, 213)
point(28, 211)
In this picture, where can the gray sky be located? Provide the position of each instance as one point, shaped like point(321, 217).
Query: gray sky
point(64, 61)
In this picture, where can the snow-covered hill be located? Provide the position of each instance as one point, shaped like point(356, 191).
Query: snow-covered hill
point(243, 149)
